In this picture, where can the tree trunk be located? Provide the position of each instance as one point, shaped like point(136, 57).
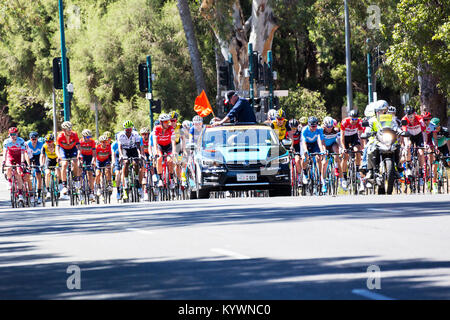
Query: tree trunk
point(262, 28)
point(196, 61)
point(431, 99)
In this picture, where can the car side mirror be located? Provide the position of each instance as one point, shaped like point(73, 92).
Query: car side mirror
point(287, 143)
point(404, 122)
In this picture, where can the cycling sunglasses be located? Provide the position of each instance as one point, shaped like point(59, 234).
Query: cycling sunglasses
point(280, 118)
point(355, 119)
point(13, 134)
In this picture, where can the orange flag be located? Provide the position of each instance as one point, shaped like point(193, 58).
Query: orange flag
point(202, 106)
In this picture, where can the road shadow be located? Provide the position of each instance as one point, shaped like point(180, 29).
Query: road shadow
point(213, 278)
point(94, 219)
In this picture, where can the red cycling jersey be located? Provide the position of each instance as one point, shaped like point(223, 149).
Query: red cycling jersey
point(349, 128)
point(145, 144)
point(69, 143)
point(415, 127)
point(103, 153)
point(87, 147)
point(163, 139)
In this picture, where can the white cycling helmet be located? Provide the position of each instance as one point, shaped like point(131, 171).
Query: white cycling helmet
point(392, 109)
point(164, 117)
point(328, 122)
point(86, 133)
point(66, 125)
point(144, 130)
point(186, 124)
point(102, 138)
point(272, 114)
point(197, 119)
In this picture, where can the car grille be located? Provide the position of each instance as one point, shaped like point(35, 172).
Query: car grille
point(242, 166)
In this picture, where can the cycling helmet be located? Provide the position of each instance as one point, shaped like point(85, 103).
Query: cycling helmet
point(49, 137)
point(272, 114)
point(144, 130)
point(313, 121)
point(303, 121)
point(107, 134)
point(293, 123)
point(409, 110)
point(13, 130)
point(328, 122)
point(102, 138)
point(173, 115)
point(281, 114)
point(34, 134)
point(86, 133)
point(164, 117)
point(128, 124)
point(197, 119)
point(436, 122)
point(353, 114)
point(392, 109)
point(426, 116)
point(186, 124)
point(66, 125)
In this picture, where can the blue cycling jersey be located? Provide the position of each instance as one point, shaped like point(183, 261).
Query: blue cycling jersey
point(115, 148)
point(312, 136)
point(195, 134)
point(331, 137)
point(34, 151)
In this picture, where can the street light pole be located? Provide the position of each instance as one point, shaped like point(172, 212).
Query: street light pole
point(64, 63)
point(369, 72)
point(348, 60)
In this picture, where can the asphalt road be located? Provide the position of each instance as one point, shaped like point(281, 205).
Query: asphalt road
point(246, 248)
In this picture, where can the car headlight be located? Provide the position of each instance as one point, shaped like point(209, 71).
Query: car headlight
point(278, 161)
point(387, 138)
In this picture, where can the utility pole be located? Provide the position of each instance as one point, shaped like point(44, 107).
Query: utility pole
point(270, 65)
point(369, 71)
point(251, 68)
point(63, 63)
point(348, 60)
point(150, 90)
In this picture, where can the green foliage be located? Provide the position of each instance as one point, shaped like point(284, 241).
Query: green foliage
point(302, 102)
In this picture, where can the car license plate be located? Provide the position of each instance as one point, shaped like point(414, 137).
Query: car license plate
point(246, 177)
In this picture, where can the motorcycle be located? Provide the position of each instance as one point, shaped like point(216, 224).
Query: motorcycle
point(384, 150)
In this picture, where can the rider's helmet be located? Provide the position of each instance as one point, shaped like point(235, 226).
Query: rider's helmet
point(328, 122)
point(313, 121)
point(281, 114)
point(13, 130)
point(436, 122)
point(107, 134)
point(381, 107)
point(392, 109)
point(173, 115)
point(303, 121)
point(34, 135)
point(353, 114)
point(102, 138)
point(66, 125)
point(409, 110)
point(49, 137)
point(197, 119)
point(86, 133)
point(186, 124)
point(293, 123)
point(164, 117)
point(144, 130)
point(426, 116)
point(128, 124)
point(272, 114)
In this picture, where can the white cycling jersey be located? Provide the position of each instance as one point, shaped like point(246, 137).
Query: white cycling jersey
point(128, 142)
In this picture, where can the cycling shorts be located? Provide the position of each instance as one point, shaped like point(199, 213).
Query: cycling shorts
point(131, 153)
point(69, 153)
point(296, 147)
point(351, 141)
point(87, 161)
point(313, 147)
point(34, 161)
point(51, 163)
point(165, 149)
point(102, 164)
point(417, 140)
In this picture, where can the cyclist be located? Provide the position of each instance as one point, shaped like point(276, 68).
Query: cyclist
point(49, 158)
point(117, 168)
point(165, 143)
point(351, 129)
point(145, 150)
point(331, 138)
point(271, 115)
point(14, 154)
point(34, 147)
point(281, 125)
point(431, 144)
point(443, 139)
point(108, 136)
point(67, 147)
point(416, 127)
point(129, 147)
point(296, 134)
point(393, 111)
point(87, 158)
point(178, 133)
point(312, 141)
point(103, 156)
point(196, 129)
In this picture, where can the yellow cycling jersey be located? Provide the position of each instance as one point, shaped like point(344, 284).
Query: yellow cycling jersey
point(50, 155)
point(177, 133)
point(280, 130)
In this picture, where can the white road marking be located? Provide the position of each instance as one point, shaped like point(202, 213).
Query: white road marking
point(139, 230)
point(230, 253)
point(385, 210)
point(371, 295)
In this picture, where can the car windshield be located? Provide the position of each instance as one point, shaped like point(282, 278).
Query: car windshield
point(239, 136)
